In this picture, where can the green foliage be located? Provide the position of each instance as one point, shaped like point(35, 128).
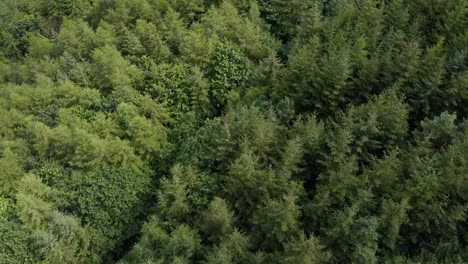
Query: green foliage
point(151, 40)
point(157, 246)
point(172, 86)
point(440, 130)
point(232, 249)
point(276, 222)
point(305, 250)
point(237, 131)
point(200, 149)
point(379, 124)
point(184, 193)
point(319, 82)
point(63, 240)
point(217, 220)
point(285, 15)
point(16, 23)
point(184, 242)
point(109, 201)
point(10, 171)
point(248, 185)
point(229, 72)
point(147, 135)
point(111, 70)
point(172, 199)
point(33, 201)
point(393, 215)
point(63, 8)
point(14, 244)
point(76, 38)
point(4, 209)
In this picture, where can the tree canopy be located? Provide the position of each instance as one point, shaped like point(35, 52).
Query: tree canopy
point(233, 131)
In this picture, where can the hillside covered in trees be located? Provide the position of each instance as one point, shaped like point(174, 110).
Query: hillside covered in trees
point(235, 131)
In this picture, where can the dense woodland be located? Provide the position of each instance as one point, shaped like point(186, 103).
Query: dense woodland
point(241, 131)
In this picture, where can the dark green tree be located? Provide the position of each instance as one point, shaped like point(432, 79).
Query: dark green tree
point(111, 201)
point(229, 72)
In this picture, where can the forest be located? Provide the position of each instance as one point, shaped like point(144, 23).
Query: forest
point(233, 131)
